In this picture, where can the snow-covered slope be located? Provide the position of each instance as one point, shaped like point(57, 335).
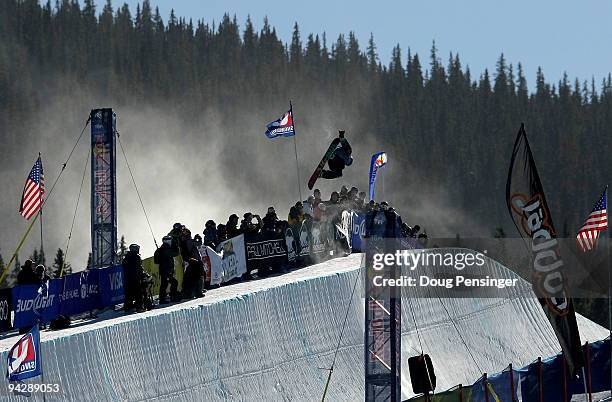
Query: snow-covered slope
point(269, 339)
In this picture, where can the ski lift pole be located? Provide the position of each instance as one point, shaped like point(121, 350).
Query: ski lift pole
point(297, 164)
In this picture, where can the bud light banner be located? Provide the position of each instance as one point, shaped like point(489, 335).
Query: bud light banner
point(33, 302)
point(6, 305)
point(78, 295)
point(110, 283)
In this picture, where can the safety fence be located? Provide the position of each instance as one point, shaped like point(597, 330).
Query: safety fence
point(74, 294)
point(543, 380)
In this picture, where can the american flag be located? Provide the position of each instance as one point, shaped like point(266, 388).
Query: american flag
point(595, 223)
point(33, 191)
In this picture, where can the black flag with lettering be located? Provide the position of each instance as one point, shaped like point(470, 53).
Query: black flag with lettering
point(529, 211)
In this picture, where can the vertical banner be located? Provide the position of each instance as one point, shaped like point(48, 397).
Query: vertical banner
point(103, 188)
point(531, 216)
point(379, 160)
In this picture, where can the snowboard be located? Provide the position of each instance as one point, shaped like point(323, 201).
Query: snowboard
point(328, 155)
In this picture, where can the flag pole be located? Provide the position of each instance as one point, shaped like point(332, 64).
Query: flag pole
point(608, 245)
point(40, 193)
point(297, 164)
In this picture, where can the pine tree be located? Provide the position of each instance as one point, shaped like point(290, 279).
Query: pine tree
point(58, 263)
point(295, 50)
point(372, 54)
point(122, 248)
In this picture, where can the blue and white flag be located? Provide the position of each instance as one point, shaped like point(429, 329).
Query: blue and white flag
point(379, 160)
point(23, 359)
point(282, 127)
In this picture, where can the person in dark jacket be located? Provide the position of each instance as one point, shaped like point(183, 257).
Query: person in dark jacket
point(26, 275)
point(193, 280)
point(188, 247)
point(175, 234)
point(41, 274)
point(197, 240)
point(210, 234)
point(231, 227)
point(132, 275)
point(342, 158)
point(247, 226)
point(221, 234)
point(164, 257)
point(270, 221)
point(394, 223)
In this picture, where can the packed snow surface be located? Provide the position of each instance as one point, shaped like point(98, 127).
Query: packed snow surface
point(270, 340)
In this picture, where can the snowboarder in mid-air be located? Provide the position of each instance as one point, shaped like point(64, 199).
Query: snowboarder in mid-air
point(341, 158)
point(338, 156)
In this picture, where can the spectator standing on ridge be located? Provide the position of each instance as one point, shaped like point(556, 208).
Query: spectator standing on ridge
point(164, 257)
point(193, 280)
point(300, 210)
point(26, 275)
point(210, 234)
point(247, 226)
point(231, 227)
point(132, 275)
point(343, 194)
point(293, 219)
point(41, 274)
point(175, 234)
point(360, 202)
point(334, 198)
point(316, 205)
point(197, 241)
point(270, 221)
point(221, 234)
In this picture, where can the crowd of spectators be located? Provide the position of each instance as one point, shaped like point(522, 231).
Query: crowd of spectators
point(180, 241)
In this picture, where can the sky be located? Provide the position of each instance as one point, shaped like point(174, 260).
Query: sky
point(560, 36)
